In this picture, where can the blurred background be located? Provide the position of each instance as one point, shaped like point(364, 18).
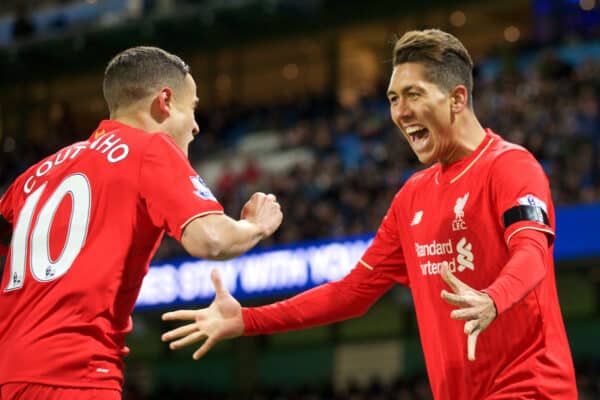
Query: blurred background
point(292, 101)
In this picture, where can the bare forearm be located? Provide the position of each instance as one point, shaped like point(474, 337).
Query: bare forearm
point(219, 237)
point(236, 239)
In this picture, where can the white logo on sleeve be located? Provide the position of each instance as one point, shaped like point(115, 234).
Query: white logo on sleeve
point(201, 190)
point(465, 255)
point(531, 200)
point(459, 223)
point(417, 218)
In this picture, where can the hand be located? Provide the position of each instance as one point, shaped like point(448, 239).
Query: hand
point(221, 320)
point(264, 211)
point(475, 307)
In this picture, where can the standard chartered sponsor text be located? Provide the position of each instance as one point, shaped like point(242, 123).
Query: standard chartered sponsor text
point(442, 248)
point(434, 248)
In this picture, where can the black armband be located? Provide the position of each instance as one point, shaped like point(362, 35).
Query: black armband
point(525, 213)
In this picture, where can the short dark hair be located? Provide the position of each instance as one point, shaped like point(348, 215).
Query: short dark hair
point(446, 60)
point(139, 71)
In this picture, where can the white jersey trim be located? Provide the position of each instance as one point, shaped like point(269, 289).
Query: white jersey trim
point(468, 167)
point(364, 264)
point(186, 223)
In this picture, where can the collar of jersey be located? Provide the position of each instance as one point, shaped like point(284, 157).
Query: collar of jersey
point(110, 125)
point(453, 172)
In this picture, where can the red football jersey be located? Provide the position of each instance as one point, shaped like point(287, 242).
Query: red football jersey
point(86, 222)
point(464, 215)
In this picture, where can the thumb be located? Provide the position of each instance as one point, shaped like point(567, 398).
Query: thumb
point(216, 280)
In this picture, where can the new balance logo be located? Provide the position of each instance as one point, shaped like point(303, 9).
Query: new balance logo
point(417, 218)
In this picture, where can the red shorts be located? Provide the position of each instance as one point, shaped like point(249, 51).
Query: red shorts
point(36, 391)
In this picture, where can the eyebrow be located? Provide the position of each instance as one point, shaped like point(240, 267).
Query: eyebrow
point(404, 90)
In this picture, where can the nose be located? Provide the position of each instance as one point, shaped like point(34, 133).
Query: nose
point(401, 112)
point(195, 129)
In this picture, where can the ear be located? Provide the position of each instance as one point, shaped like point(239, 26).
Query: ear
point(459, 98)
point(164, 100)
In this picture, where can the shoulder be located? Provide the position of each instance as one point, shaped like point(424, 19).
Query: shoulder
point(502, 151)
point(164, 142)
point(509, 158)
point(513, 167)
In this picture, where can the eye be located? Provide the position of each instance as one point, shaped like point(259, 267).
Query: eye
point(413, 95)
point(393, 99)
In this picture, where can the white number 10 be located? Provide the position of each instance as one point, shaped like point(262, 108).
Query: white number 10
point(43, 268)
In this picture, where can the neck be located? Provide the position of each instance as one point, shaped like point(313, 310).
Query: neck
point(136, 119)
point(466, 138)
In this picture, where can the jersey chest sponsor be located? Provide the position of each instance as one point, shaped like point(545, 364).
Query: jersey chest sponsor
point(456, 255)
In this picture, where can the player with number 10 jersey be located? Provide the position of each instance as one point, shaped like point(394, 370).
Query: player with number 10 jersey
point(87, 221)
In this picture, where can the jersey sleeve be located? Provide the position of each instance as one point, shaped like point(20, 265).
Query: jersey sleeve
point(521, 194)
point(385, 255)
point(173, 192)
point(380, 267)
point(336, 301)
point(524, 270)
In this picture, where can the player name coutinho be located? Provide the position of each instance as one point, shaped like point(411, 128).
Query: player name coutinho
point(434, 248)
point(108, 144)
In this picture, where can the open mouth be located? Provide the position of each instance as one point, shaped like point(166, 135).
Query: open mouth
point(418, 135)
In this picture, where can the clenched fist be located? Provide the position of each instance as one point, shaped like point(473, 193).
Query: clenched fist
point(264, 211)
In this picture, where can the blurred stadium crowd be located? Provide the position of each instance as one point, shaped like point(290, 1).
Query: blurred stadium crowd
point(347, 160)
point(357, 159)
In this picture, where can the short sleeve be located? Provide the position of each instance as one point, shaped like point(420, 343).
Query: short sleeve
point(173, 192)
point(385, 252)
point(521, 195)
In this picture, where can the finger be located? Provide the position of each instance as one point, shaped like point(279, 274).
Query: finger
point(179, 315)
point(187, 340)
point(471, 344)
point(454, 299)
point(179, 332)
point(206, 346)
point(449, 277)
point(216, 280)
point(455, 284)
point(471, 326)
point(272, 197)
point(259, 197)
point(465, 314)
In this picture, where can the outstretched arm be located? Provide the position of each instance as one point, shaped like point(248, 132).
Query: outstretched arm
point(336, 301)
point(225, 318)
